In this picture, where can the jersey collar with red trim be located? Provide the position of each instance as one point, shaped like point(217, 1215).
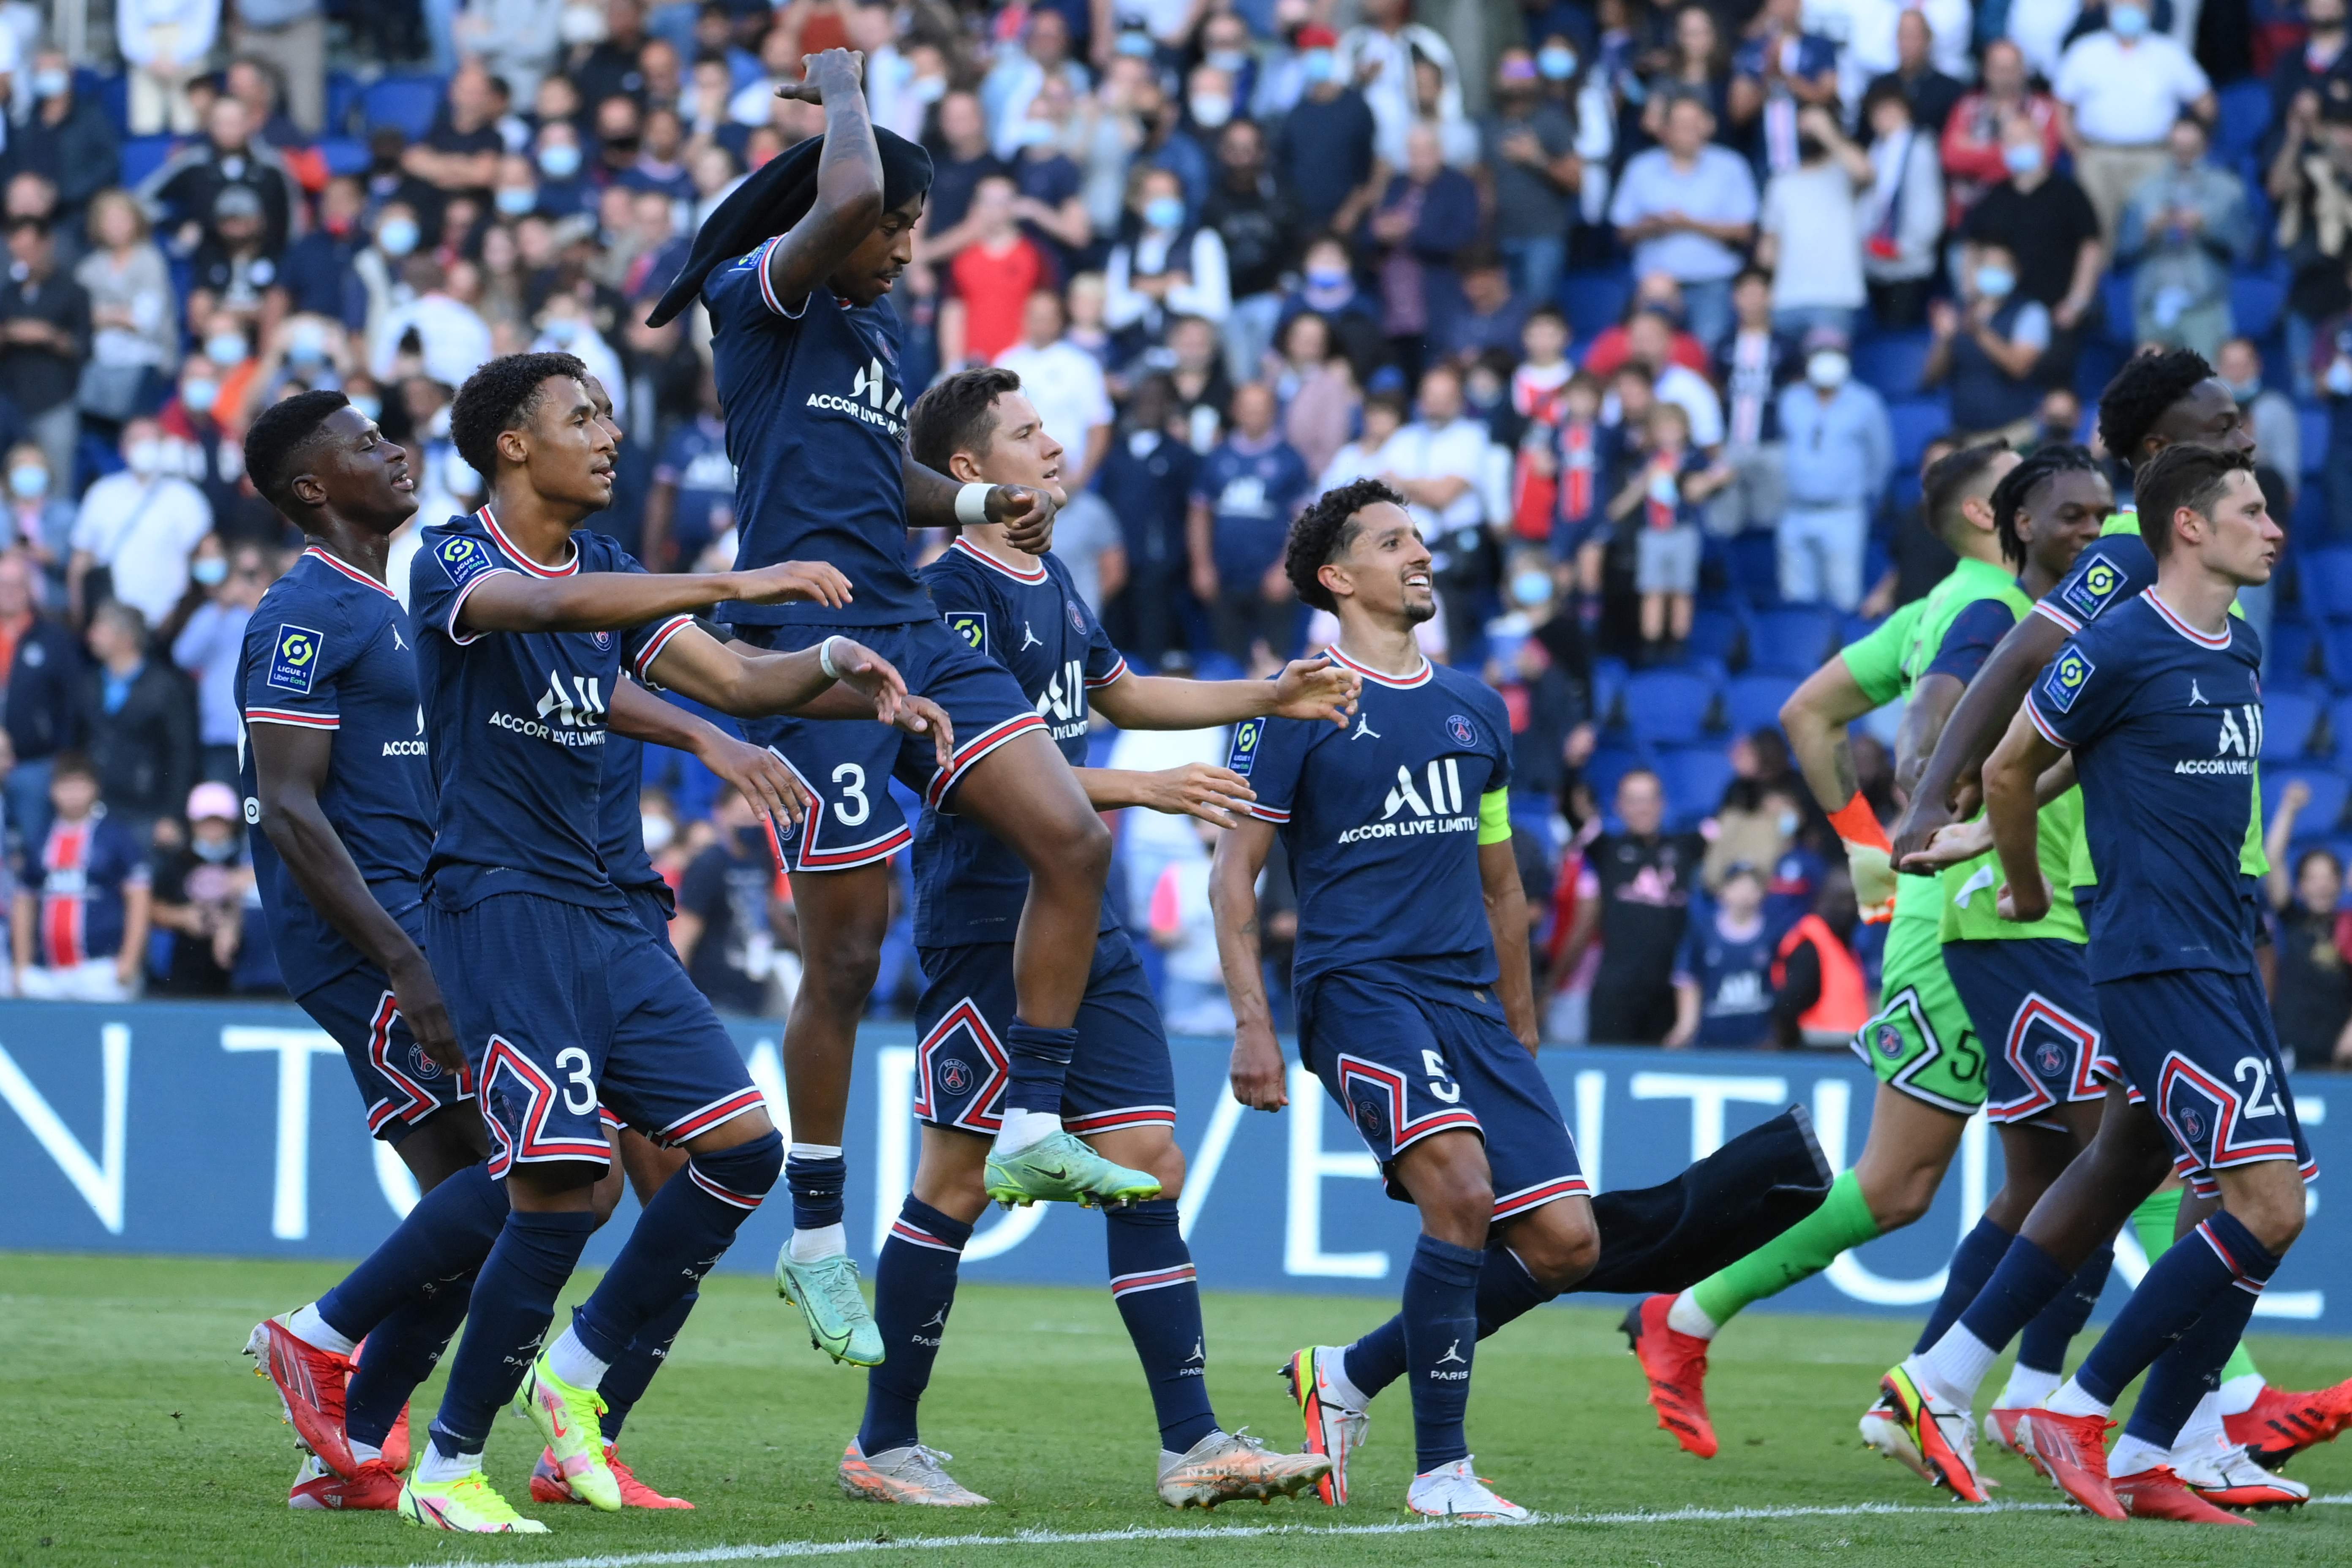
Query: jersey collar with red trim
point(512, 552)
point(1420, 677)
point(348, 570)
point(985, 558)
point(2172, 618)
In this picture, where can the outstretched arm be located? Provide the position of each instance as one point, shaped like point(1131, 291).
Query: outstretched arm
point(1307, 689)
point(1944, 793)
point(506, 601)
point(1258, 1078)
point(1215, 794)
point(756, 773)
point(289, 765)
point(848, 179)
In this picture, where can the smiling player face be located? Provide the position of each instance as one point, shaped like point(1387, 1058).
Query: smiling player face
point(568, 449)
point(1384, 571)
point(1019, 450)
point(2061, 516)
point(361, 476)
point(872, 270)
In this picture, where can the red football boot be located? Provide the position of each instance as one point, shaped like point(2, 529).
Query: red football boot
point(372, 1487)
point(2072, 1451)
point(1675, 1365)
point(2158, 1493)
point(311, 1385)
point(2278, 1425)
point(548, 1485)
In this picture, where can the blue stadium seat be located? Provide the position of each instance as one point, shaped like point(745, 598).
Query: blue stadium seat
point(1608, 685)
point(2290, 647)
point(1668, 707)
point(2325, 576)
point(2311, 520)
point(1602, 770)
point(2256, 301)
point(1715, 636)
point(2339, 728)
point(2288, 719)
point(2116, 306)
point(1755, 566)
point(1753, 702)
point(2335, 655)
point(1695, 778)
point(406, 103)
point(112, 93)
point(1790, 641)
point(142, 155)
point(1892, 362)
point(342, 102)
point(1594, 300)
point(2095, 367)
point(2328, 790)
point(1917, 421)
point(2245, 114)
point(344, 155)
point(2313, 421)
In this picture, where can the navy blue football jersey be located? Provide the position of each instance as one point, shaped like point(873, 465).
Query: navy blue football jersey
point(78, 881)
point(518, 722)
point(816, 425)
point(1382, 823)
point(2164, 724)
point(968, 885)
point(329, 648)
point(620, 824)
point(2112, 569)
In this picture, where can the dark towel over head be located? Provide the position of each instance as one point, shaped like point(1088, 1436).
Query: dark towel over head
point(777, 196)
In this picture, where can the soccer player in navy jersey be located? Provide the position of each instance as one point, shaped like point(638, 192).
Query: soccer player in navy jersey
point(804, 346)
point(2160, 702)
point(562, 1003)
point(1022, 610)
point(1415, 1004)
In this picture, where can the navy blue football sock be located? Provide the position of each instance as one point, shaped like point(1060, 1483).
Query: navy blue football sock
point(1972, 1264)
point(1151, 1280)
point(2220, 1256)
point(2190, 1370)
point(2027, 1281)
point(626, 1380)
point(399, 1354)
point(450, 1231)
point(914, 1288)
point(682, 1234)
point(1041, 1061)
point(2053, 1328)
point(1441, 1335)
point(816, 1182)
point(1506, 1291)
point(514, 1298)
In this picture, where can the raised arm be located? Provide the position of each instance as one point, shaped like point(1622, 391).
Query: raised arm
point(848, 179)
point(1307, 689)
point(1942, 795)
point(737, 678)
point(1506, 919)
point(506, 601)
point(1027, 513)
point(290, 766)
point(1258, 1078)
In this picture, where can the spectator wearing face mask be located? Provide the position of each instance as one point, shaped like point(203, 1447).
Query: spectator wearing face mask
point(1164, 264)
point(39, 522)
point(1326, 286)
point(1531, 155)
point(45, 333)
point(1975, 160)
point(377, 266)
point(1838, 451)
point(2184, 229)
point(451, 342)
point(134, 320)
point(208, 646)
point(138, 527)
point(2119, 92)
point(1722, 974)
point(2046, 224)
point(201, 889)
point(1809, 233)
point(1324, 152)
point(1990, 347)
point(68, 139)
point(184, 192)
point(2271, 413)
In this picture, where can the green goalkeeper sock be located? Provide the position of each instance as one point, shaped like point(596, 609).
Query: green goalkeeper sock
point(1843, 1222)
point(2154, 1222)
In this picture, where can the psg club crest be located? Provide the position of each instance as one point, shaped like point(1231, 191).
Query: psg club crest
point(1464, 733)
point(421, 1065)
point(955, 1076)
point(2049, 1058)
point(604, 641)
point(1889, 1041)
point(1077, 617)
point(2192, 1123)
point(1371, 1118)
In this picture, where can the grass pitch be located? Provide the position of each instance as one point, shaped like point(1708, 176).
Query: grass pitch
point(131, 1432)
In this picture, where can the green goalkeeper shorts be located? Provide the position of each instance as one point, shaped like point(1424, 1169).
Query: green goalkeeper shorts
point(1920, 1040)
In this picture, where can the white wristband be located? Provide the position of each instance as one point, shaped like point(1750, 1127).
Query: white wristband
point(825, 658)
point(971, 504)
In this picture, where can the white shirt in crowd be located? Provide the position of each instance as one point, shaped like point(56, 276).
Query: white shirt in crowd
point(1866, 30)
point(1813, 211)
point(1065, 384)
point(1688, 391)
point(1454, 450)
point(2127, 95)
point(1209, 293)
point(455, 340)
point(1390, 95)
point(142, 532)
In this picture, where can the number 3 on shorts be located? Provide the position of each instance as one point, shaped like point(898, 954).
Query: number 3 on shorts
point(573, 1063)
point(851, 780)
point(1441, 1081)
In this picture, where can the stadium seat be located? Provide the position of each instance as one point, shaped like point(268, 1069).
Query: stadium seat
point(2328, 790)
point(1695, 778)
point(406, 103)
point(1594, 300)
point(1668, 707)
point(343, 155)
point(2336, 656)
point(2116, 306)
point(2326, 577)
point(2094, 366)
point(2314, 423)
point(1790, 641)
point(1754, 561)
point(342, 102)
point(1753, 702)
point(2291, 647)
point(2245, 114)
point(1602, 770)
point(1608, 685)
point(142, 155)
point(2288, 719)
point(1715, 636)
point(2256, 300)
point(1917, 421)
point(2339, 728)
point(1892, 362)
point(2311, 520)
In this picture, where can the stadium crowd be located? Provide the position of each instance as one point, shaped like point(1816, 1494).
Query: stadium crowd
point(1652, 312)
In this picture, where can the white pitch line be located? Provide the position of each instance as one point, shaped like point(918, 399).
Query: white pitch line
point(794, 1549)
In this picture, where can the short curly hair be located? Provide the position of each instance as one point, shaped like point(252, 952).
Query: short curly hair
point(502, 396)
point(1323, 532)
point(2009, 496)
point(276, 440)
point(2137, 398)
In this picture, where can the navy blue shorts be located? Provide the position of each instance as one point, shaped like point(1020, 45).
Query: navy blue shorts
point(561, 1007)
point(1119, 1075)
point(653, 910)
point(2198, 1045)
point(398, 1083)
point(846, 766)
point(2031, 1003)
point(1405, 1064)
